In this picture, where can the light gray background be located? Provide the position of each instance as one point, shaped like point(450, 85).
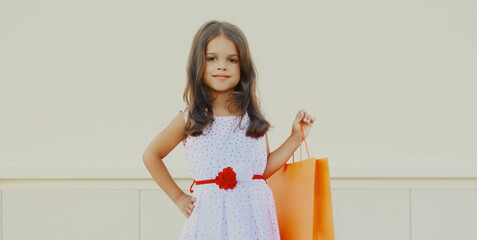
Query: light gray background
point(87, 84)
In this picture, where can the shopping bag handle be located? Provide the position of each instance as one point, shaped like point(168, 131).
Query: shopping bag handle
point(302, 138)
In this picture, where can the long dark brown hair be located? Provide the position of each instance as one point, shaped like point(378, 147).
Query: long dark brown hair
point(243, 98)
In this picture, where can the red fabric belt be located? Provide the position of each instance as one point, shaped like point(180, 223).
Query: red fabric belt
point(226, 179)
point(215, 181)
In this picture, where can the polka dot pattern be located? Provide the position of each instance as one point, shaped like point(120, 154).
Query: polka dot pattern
point(245, 212)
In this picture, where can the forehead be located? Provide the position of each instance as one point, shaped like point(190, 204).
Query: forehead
point(221, 45)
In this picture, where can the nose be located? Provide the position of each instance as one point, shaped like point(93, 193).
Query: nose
point(220, 66)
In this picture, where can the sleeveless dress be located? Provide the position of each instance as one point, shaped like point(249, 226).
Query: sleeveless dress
point(244, 212)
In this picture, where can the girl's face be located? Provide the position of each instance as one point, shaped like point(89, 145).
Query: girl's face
point(222, 66)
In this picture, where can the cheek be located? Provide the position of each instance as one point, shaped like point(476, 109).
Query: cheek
point(207, 70)
point(237, 70)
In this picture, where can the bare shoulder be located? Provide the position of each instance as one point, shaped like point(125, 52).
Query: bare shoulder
point(168, 138)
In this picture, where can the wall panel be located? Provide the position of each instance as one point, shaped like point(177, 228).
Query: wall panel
point(440, 214)
point(70, 214)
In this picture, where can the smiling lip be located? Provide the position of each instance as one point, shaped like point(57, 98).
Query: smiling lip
point(221, 77)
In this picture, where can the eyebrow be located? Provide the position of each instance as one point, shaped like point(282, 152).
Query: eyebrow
point(228, 55)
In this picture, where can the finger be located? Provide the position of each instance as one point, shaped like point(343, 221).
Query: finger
point(308, 118)
point(191, 206)
point(299, 116)
point(193, 199)
point(300, 113)
point(308, 122)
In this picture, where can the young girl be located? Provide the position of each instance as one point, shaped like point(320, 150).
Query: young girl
point(223, 130)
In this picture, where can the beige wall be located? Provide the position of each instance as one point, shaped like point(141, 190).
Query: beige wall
point(89, 83)
point(134, 209)
point(85, 85)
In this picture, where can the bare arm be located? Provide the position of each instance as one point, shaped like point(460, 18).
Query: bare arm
point(158, 149)
point(280, 156)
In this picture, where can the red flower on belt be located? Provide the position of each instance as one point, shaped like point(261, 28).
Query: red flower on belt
point(226, 179)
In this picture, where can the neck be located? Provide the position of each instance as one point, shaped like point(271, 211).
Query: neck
point(220, 105)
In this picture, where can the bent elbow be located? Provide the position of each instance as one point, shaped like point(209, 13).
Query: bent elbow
point(148, 157)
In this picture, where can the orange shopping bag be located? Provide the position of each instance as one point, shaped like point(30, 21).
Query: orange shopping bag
point(302, 195)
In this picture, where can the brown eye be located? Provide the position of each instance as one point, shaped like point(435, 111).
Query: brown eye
point(233, 60)
point(210, 58)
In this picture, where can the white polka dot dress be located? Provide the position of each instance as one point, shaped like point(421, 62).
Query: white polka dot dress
point(244, 212)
